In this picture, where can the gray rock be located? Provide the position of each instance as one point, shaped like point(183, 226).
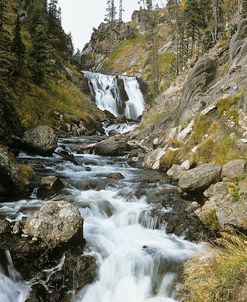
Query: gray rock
point(199, 178)
point(56, 224)
point(207, 213)
point(176, 171)
point(232, 213)
point(200, 76)
point(49, 186)
point(40, 140)
point(152, 160)
point(238, 46)
point(13, 182)
point(113, 146)
point(235, 168)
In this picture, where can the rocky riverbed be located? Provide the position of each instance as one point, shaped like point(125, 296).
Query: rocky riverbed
point(100, 222)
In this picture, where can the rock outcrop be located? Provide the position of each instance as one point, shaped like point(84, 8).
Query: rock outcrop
point(200, 76)
point(238, 46)
point(41, 140)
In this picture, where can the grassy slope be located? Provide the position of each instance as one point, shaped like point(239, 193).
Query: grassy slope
point(36, 104)
point(60, 92)
point(220, 276)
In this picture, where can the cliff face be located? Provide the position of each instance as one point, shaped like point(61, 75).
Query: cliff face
point(124, 48)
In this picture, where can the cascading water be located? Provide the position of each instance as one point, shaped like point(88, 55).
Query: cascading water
point(108, 96)
point(136, 262)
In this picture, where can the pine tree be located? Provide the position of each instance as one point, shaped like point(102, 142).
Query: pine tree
point(149, 4)
point(39, 55)
point(110, 11)
point(193, 17)
point(121, 10)
point(18, 47)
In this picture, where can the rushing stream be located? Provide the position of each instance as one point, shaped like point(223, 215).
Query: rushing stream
point(136, 263)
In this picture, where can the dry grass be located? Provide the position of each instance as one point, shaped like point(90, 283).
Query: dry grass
point(214, 279)
point(35, 104)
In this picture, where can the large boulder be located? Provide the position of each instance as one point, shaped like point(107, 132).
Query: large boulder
point(235, 168)
point(41, 140)
point(12, 181)
point(56, 224)
point(114, 146)
point(200, 177)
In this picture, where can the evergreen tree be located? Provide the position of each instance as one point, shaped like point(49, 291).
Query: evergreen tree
point(40, 55)
point(194, 21)
point(149, 4)
point(18, 47)
point(110, 11)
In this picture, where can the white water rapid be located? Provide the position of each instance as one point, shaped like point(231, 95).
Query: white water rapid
point(136, 263)
point(108, 96)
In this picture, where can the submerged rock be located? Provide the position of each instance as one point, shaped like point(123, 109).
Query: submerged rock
point(41, 140)
point(49, 186)
point(56, 224)
point(199, 178)
point(116, 175)
point(113, 146)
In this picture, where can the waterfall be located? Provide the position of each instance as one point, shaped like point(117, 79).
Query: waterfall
point(126, 100)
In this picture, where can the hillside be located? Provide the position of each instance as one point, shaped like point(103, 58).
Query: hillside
point(38, 81)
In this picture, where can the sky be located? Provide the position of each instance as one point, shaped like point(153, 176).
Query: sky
point(80, 16)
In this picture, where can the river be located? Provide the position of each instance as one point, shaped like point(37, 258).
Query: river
point(137, 263)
